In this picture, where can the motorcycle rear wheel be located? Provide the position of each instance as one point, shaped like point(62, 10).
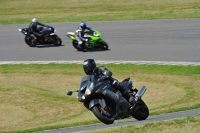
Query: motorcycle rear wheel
point(102, 117)
point(57, 41)
point(28, 41)
point(143, 112)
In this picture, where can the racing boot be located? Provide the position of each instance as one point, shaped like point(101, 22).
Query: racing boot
point(79, 45)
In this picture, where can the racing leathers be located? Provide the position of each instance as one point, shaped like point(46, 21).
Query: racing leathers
point(101, 73)
point(35, 30)
point(79, 33)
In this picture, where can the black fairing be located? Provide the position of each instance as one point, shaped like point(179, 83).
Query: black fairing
point(99, 91)
point(47, 31)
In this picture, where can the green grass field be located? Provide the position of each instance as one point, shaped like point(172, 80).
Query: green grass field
point(22, 11)
point(33, 97)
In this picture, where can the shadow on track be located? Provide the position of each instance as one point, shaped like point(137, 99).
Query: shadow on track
point(93, 50)
point(47, 46)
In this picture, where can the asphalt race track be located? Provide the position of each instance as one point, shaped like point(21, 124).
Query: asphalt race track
point(126, 122)
point(140, 40)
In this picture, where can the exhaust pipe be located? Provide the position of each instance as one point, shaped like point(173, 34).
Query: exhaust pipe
point(140, 92)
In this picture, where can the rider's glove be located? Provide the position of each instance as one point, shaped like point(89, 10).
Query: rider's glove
point(117, 84)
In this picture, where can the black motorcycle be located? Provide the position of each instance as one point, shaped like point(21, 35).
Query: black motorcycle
point(108, 105)
point(49, 36)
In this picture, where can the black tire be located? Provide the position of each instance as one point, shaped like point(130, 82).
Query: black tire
point(75, 43)
point(103, 118)
point(28, 41)
point(104, 45)
point(57, 41)
point(143, 112)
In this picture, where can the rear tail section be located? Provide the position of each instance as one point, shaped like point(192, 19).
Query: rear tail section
point(71, 35)
point(24, 31)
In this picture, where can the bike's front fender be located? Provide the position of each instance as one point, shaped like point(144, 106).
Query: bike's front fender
point(97, 101)
point(93, 102)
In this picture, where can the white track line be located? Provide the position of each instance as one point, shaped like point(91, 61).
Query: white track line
point(106, 62)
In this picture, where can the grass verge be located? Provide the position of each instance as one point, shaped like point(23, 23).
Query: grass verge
point(22, 11)
point(33, 97)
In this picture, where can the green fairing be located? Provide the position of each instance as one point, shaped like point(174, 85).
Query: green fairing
point(93, 39)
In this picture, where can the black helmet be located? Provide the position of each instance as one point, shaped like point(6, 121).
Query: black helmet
point(89, 65)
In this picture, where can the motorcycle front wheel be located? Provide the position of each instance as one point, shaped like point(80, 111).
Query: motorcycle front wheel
point(102, 115)
point(28, 41)
point(103, 45)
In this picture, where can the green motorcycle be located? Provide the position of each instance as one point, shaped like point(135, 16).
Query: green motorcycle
point(94, 41)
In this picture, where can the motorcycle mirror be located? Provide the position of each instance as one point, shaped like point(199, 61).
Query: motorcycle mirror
point(69, 93)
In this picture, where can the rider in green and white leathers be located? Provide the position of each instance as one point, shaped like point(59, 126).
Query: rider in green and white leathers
point(79, 33)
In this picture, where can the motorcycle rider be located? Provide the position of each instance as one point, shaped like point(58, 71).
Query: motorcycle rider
point(102, 73)
point(34, 29)
point(79, 33)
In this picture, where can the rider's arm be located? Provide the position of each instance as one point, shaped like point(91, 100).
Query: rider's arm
point(37, 34)
point(108, 75)
point(90, 29)
point(41, 24)
point(33, 30)
point(105, 72)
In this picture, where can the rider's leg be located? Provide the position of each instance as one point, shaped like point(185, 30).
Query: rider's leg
point(79, 42)
point(124, 88)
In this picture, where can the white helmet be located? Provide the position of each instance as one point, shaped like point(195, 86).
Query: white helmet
point(34, 20)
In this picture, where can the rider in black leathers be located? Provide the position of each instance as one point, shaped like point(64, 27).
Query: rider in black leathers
point(34, 29)
point(101, 73)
